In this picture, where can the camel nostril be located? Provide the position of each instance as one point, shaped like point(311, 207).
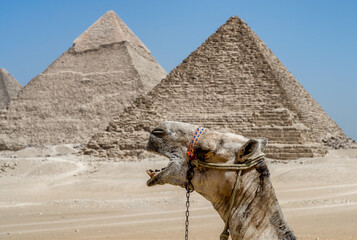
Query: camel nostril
point(158, 132)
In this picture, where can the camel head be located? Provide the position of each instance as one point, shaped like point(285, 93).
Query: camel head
point(256, 201)
point(171, 139)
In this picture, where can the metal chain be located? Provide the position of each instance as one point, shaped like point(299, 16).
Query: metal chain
point(190, 172)
point(194, 162)
point(187, 212)
point(189, 190)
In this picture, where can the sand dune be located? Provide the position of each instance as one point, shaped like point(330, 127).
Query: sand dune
point(54, 194)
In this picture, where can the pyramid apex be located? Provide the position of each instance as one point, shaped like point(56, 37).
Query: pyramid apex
point(110, 12)
point(106, 30)
point(235, 19)
point(6, 76)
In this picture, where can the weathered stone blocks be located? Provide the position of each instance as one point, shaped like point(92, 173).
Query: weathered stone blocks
point(78, 94)
point(231, 82)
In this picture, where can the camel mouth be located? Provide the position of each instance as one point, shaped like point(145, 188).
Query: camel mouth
point(155, 175)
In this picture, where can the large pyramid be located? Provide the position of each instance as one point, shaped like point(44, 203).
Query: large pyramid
point(9, 88)
point(76, 96)
point(232, 81)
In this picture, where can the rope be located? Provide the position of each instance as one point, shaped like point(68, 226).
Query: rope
point(237, 167)
point(193, 161)
point(225, 233)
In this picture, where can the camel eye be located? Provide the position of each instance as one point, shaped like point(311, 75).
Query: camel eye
point(158, 132)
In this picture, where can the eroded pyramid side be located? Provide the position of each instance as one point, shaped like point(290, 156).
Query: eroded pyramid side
point(9, 88)
point(79, 93)
point(229, 82)
point(323, 128)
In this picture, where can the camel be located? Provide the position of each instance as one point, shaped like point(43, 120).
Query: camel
point(256, 213)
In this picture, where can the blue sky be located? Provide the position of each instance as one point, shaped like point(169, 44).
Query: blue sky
point(316, 40)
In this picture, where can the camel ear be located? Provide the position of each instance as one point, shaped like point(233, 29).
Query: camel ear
point(251, 148)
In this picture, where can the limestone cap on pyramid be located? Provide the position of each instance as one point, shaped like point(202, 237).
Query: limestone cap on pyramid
point(106, 30)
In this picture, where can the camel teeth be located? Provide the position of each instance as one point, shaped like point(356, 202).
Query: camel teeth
point(151, 173)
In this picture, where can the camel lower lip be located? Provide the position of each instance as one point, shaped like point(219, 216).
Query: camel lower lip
point(151, 182)
point(155, 174)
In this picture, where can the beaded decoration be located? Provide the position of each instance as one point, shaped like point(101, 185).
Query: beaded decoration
point(191, 152)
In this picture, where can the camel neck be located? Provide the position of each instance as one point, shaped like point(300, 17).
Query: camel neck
point(256, 213)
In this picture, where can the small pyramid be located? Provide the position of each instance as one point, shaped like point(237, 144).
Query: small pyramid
point(9, 88)
point(76, 96)
point(234, 82)
point(106, 30)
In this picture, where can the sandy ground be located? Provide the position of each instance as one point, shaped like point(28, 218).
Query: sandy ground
point(54, 194)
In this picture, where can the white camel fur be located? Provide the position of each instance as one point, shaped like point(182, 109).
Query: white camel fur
point(256, 213)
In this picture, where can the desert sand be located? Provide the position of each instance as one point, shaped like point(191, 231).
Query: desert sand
point(53, 193)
